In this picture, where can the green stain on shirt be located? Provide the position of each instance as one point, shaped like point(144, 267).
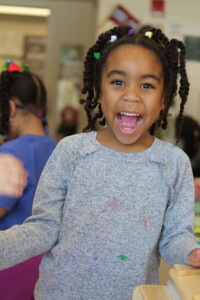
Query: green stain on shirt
point(122, 257)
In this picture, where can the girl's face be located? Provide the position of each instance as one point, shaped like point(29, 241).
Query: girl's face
point(132, 89)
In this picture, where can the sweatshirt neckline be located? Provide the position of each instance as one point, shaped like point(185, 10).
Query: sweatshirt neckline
point(145, 152)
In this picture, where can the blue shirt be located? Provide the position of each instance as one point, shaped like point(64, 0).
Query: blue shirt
point(33, 151)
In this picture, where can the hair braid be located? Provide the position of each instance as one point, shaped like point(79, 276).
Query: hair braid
point(5, 82)
point(184, 84)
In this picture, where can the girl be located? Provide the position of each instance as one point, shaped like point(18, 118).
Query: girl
point(22, 123)
point(111, 202)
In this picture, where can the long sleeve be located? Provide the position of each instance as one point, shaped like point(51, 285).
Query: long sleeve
point(40, 231)
point(177, 238)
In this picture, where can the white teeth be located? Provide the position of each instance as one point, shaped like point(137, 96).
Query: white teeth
point(129, 114)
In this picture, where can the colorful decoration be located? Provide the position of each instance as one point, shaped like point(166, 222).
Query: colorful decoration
point(97, 55)
point(131, 31)
point(25, 68)
point(148, 34)
point(121, 16)
point(10, 66)
point(113, 38)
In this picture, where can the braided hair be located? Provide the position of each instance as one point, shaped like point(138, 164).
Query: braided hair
point(171, 54)
point(25, 87)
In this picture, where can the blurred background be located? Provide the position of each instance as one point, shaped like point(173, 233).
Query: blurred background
point(52, 37)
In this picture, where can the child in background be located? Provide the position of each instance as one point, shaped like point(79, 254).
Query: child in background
point(190, 142)
point(110, 202)
point(22, 123)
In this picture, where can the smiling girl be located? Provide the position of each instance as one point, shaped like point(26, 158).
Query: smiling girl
point(112, 201)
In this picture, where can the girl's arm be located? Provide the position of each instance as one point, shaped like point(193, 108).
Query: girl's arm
point(177, 238)
point(40, 231)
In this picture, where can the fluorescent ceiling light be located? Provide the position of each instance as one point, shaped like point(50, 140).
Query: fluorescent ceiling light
point(27, 11)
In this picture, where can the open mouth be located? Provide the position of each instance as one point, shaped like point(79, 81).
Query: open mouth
point(128, 122)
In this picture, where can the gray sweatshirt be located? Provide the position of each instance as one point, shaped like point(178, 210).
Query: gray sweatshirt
point(103, 218)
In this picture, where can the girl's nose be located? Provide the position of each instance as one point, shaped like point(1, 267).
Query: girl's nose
point(131, 94)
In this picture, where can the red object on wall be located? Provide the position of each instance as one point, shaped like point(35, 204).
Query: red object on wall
point(121, 17)
point(158, 7)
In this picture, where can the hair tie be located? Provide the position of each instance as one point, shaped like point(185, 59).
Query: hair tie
point(97, 55)
point(148, 34)
point(10, 66)
point(113, 38)
point(131, 31)
point(25, 68)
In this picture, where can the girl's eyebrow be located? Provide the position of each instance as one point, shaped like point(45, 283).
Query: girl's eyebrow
point(116, 72)
point(146, 76)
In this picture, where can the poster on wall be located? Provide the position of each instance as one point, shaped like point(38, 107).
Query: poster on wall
point(71, 57)
point(192, 44)
point(35, 53)
point(121, 16)
point(158, 7)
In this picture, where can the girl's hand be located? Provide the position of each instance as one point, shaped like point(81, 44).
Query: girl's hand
point(194, 258)
point(13, 177)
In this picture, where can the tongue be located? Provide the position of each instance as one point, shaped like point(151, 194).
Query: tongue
point(128, 121)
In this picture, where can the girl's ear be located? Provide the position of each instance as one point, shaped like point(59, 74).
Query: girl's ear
point(163, 104)
point(13, 109)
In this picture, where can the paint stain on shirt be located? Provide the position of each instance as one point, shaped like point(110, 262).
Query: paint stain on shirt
point(145, 222)
point(114, 204)
point(122, 257)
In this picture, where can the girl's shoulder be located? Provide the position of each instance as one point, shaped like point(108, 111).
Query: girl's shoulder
point(174, 160)
point(166, 150)
point(81, 142)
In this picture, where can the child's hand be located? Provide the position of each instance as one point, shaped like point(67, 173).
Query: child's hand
point(194, 258)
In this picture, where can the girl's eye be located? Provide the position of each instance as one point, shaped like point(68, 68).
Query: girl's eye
point(117, 82)
point(147, 86)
